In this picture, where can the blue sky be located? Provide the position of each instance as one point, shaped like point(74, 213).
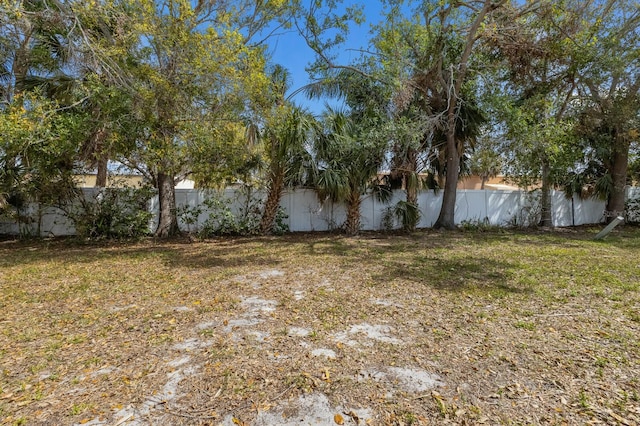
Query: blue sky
point(291, 51)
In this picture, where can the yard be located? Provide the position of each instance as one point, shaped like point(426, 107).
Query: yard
point(433, 328)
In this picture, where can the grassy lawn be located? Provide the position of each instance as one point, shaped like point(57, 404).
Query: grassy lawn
point(458, 327)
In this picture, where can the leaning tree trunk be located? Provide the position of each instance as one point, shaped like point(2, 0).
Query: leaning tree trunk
point(272, 204)
point(352, 224)
point(545, 199)
point(167, 220)
point(619, 165)
point(446, 219)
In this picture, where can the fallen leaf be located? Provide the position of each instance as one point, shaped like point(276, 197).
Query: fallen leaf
point(326, 376)
point(338, 419)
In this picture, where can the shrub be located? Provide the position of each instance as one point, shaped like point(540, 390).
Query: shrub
point(632, 211)
point(223, 221)
point(113, 213)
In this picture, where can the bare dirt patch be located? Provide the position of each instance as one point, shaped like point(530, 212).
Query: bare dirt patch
point(432, 328)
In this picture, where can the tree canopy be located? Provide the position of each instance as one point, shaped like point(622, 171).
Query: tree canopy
point(544, 92)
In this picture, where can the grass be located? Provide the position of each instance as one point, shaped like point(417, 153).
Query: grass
point(521, 327)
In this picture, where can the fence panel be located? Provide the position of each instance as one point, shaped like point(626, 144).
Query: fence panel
point(307, 213)
point(471, 206)
point(506, 207)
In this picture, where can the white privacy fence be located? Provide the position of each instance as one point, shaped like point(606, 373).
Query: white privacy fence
point(307, 213)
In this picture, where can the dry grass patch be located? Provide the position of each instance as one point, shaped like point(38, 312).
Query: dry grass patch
point(465, 328)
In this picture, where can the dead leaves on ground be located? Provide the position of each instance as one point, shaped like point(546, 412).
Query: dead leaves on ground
point(527, 335)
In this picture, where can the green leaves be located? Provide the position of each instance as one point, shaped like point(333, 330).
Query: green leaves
point(38, 148)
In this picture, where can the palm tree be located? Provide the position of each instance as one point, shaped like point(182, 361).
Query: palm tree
point(349, 157)
point(285, 136)
point(34, 54)
point(288, 159)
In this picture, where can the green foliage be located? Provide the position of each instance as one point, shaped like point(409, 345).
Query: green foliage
point(37, 153)
point(349, 153)
point(280, 225)
point(632, 211)
point(407, 214)
point(189, 215)
point(486, 160)
point(112, 213)
point(288, 133)
point(223, 220)
point(478, 225)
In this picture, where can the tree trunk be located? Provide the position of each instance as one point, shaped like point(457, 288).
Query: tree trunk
point(272, 204)
point(412, 198)
point(620, 164)
point(352, 224)
point(99, 153)
point(101, 175)
point(446, 219)
point(412, 184)
point(484, 180)
point(167, 220)
point(545, 199)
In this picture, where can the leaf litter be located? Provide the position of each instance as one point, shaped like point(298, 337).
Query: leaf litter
point(424, 329)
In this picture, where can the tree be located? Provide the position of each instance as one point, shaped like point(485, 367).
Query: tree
point(194, 71)
point(566, 62)
point(38, 147)
point(486, 161)
point(41, 126)
point(352, 148)
point(288, 161)
point(609, 87)
point(349, 155)
point(286, 137)
point(536, 75)
point(430, 55)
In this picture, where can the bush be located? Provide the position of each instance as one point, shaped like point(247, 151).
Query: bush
point(113, 213)
point(223, 221)
point(478, 225)
point(632, 211)
point(189, 215)
point(407, 214)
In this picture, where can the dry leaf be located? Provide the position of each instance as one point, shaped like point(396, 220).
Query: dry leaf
point(326, 376)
